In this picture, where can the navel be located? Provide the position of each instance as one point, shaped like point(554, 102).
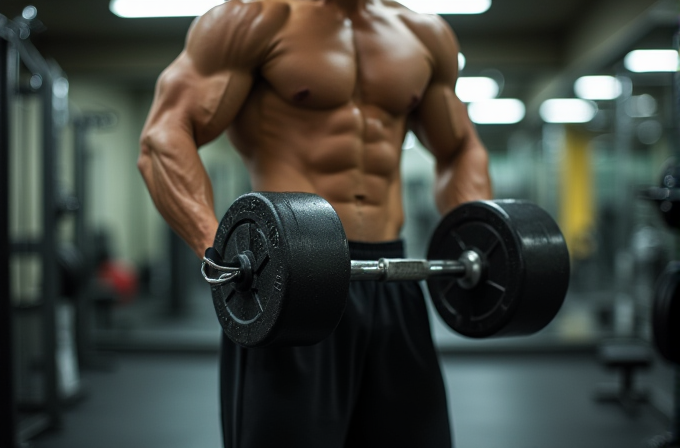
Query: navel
point(301, 95)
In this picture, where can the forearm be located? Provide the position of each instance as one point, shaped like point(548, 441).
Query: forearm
point(463, 177)
point(179, 185)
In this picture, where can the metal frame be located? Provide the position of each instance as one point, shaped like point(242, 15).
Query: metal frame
point(15, 47)
point(7, 399)
point(50, 280)
point(675, 417)
point(83, 336)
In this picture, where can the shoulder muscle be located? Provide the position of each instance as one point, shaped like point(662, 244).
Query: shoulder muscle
point(436, 35)
point(235, 35)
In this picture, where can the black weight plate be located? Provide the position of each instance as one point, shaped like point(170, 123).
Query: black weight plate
point(525, 268)
point(666, 313)
point(300, 270)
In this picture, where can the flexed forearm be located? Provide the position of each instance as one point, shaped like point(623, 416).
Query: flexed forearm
point(463, 176)
point(196, 99)
point(179, 184)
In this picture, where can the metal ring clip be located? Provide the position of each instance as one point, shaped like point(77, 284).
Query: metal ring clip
point(230, 273)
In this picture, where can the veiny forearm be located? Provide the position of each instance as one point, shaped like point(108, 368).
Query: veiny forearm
point(464, 177)
point(179, 185)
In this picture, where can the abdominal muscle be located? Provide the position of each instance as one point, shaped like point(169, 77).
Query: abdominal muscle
point(348, 155)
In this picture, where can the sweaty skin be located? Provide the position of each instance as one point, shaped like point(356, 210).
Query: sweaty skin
point(316, 96)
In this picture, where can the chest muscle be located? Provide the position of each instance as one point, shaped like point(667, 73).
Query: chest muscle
point(320, 63)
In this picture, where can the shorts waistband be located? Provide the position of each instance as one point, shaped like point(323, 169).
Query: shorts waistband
point(372, 251)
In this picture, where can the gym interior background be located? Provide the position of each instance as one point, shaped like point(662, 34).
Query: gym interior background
point(114, 339)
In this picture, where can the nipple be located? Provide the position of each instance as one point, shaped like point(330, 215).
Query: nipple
point(415, 100)
point(301, 95)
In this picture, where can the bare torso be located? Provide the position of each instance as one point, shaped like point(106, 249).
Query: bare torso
point(328, 111)
point(317, 96)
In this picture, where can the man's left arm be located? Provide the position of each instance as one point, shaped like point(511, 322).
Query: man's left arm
point(442, 124)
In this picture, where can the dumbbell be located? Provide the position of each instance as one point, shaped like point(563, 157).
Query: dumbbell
point(280, 269)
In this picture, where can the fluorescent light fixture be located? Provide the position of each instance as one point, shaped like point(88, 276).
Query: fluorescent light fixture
point(191, 8)
point(30, 12)
point(497, 111)
point(461, 61)
point(448, 6)
point(567, 110)
point(597, 87)
point(476, 88)
point(643, 61)
point(133, 9)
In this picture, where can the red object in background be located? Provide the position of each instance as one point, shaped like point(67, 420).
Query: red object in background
point(122, 279)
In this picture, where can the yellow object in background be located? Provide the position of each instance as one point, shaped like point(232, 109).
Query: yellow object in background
point(576, 218)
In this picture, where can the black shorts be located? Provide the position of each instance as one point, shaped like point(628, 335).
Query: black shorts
point(376, 382)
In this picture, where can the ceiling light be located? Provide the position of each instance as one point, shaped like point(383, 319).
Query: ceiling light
point(497, 111)
point(461, 61)
point(642, 61)
point(476, 88)
point(30, 12)
point(567, 110)
point(597, 87)
point(448, 6)
point(182, 8)
point(161, 8)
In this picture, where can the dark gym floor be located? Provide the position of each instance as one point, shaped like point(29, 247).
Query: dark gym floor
point(496, 401)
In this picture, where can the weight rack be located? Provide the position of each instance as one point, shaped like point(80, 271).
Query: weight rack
point(16, 49)
point(7, 399)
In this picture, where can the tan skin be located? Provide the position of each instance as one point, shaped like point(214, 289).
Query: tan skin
point(316, 96)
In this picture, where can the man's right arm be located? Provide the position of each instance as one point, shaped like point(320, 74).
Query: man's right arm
point(196, 98)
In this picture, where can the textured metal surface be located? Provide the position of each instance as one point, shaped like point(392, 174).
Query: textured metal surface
point(666, 313)
point(525, 271)
point(293, 242)
point(404, 269)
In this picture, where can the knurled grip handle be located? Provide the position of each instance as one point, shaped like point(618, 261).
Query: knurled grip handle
point(405, 269)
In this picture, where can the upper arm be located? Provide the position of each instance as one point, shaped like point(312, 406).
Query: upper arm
point(441, 121)
point(204, 88)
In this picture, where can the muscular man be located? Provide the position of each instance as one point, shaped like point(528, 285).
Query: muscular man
point(317, 96)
